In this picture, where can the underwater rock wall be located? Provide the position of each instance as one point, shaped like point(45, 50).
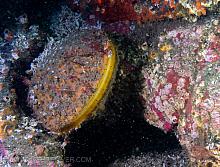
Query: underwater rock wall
point(181, 78)
point(23, 142)
point(182, 87)
point(139, 10)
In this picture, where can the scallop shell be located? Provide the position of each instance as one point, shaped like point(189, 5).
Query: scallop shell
point(71, 79)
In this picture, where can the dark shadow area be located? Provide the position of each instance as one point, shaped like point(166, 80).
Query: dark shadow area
point(121, 129)
point(21, 81)
point(37, 12)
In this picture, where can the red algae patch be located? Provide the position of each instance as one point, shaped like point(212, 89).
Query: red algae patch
point(67, 77)
point(131, 10)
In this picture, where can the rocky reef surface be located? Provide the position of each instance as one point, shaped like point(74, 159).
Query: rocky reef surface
point(173, 64)
point(181, 87)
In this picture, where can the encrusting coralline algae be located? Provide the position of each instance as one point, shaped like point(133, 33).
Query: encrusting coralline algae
point(182, 88)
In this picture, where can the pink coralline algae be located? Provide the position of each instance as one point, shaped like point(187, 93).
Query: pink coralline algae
point(182, 88)
point(3, 151)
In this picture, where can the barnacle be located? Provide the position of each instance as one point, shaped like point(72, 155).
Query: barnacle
point(71, 80)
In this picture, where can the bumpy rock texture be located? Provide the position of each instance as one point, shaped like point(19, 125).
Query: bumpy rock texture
point(15, 45)
point(23, 141)
point(167, 159)
point(132, 10)
point(65, 76)
point(182, 87)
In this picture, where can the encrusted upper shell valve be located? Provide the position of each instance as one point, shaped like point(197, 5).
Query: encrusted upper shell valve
point(71, 78)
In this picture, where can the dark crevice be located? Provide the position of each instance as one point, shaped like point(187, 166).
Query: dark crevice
point(20, 84)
